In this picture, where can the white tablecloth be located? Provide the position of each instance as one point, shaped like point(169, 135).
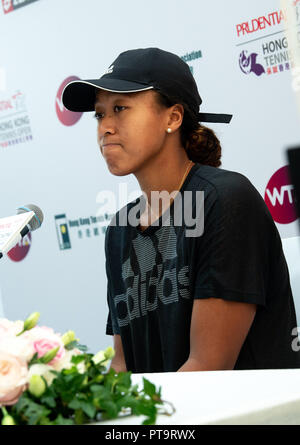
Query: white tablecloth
point(270, 397)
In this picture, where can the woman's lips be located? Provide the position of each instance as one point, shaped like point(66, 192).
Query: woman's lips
point(107, 148)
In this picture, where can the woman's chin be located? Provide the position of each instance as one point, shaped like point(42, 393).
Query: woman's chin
point(118, 170)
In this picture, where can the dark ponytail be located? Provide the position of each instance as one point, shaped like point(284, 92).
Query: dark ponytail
point(200, 143)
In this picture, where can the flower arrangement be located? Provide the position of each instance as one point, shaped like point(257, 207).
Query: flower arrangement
point(50, 379)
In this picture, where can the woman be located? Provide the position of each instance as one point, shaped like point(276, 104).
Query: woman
point(213, 299)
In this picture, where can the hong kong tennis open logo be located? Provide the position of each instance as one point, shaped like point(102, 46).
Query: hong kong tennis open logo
point(280, 198)
point(264, 48)
point(249, 64)
point(20, 251)
point(65, 116)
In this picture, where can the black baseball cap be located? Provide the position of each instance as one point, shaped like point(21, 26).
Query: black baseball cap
point(140, 70)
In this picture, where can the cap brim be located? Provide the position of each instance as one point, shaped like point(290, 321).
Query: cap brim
point(79, 95)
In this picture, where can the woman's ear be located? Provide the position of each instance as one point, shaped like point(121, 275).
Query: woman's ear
point(176, 113)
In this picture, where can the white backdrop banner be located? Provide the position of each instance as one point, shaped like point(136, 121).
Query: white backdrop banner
point(240, 57)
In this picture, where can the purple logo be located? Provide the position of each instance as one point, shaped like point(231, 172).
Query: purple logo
point(248, 64)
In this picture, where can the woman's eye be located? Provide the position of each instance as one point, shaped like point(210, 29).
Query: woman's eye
point(98, 116)
point(119, 108)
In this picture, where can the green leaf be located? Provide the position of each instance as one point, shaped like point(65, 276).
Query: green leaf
point(60, 420)
point(149, 421)
point(100, 392)
point(71, 345)
point(81, 402)
point(110, 408)
point(74, 404)
point(82, 348)
point(31, 410)
point(49, 400)
point(134, 390)
point(128, 401)
point(124, 379)
point(57, 373)
point(122, 389)
point(68, 385)
point(80, 417)
point(149, 410)
point(149, 388)
point(74, 344)
point(49, 397)
point(72, 370)
point(89, 409)
point(34, 360)
point(45, 421)
point(97, 388)
point(77, 359)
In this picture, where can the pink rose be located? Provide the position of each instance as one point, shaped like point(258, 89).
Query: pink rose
point(13, 378)
point(45, 345)
point(44, 339)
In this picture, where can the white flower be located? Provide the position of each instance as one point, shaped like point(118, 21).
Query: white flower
point(10, 328)
point(65, 362)
point(100, 357)
point(42, 370)
point(18, 346)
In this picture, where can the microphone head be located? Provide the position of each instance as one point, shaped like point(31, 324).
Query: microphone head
point(37, 219)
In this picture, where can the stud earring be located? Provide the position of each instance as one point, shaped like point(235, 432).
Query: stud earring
point(169, 130)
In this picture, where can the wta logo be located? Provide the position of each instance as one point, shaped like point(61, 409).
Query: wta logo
point(7, 6)
point(20, 251)
point(65, 116)
point(11, 5)
point(280, 198)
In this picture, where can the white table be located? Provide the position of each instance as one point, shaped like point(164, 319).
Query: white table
point(268, 397)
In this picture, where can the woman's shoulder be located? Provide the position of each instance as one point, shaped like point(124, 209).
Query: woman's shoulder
point(231, 189)
point(217, 175)
point(222, 180)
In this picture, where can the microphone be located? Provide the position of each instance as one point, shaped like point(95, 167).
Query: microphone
point(36, 220)
point(33, 224)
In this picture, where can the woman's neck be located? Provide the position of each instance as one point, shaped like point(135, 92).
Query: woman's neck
point(162, 176)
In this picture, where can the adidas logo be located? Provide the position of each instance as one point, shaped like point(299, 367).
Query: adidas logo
point(109, 70)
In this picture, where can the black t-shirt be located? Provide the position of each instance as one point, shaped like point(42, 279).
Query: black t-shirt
point(154, 275)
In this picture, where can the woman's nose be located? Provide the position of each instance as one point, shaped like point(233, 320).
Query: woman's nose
point(106, 125)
